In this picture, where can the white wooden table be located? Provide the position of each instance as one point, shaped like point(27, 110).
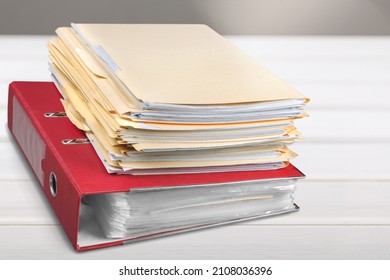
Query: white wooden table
point(345, 199)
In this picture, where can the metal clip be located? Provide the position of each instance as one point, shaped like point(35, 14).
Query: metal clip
point(55, 115)
point(75, 141)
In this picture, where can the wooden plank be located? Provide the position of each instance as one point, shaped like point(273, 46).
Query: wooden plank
point(343, 161)
point(330, 203)
point(23, 47)
point(13, 165)
point(337, 203)
point(353, 96)
point(23, 202)
point(3, 126)
point(321, 59)
point(325, 47)
point(28, 70)
point(331, 71)
point(3, 96)
point(22, 58)
point(229, 242)
point(346, 126)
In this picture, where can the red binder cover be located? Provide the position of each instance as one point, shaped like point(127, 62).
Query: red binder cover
point(78, 170)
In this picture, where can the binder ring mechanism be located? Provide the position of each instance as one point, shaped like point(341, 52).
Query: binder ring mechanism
point(55, 115)
point(75, 141)
point(66, 141)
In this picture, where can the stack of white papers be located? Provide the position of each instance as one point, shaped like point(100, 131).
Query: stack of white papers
point(149, 211)
point(158, 99)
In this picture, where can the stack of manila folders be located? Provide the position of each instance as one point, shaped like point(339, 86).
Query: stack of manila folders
point(176, 99)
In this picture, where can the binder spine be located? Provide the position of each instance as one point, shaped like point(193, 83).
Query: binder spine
point(28, 138)
point(40, 152)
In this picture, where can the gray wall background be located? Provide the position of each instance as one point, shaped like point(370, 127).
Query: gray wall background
point(229, 17)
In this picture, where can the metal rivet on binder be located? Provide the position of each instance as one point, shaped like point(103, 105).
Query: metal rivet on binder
point(53, 184)
point(55, 115)
point(76, 141)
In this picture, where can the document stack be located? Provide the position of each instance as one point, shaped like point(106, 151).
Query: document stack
point(177, 100)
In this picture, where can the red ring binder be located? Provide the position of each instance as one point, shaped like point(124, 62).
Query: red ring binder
point(68, 173)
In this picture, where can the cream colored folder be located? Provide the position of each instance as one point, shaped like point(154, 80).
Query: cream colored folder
point(172, 98)
point(99, 76)
point(181, 64)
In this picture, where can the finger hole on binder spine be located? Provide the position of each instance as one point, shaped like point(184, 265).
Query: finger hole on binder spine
point(53, 184)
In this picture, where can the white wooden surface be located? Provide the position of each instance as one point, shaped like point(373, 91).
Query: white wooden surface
point(345, 199)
